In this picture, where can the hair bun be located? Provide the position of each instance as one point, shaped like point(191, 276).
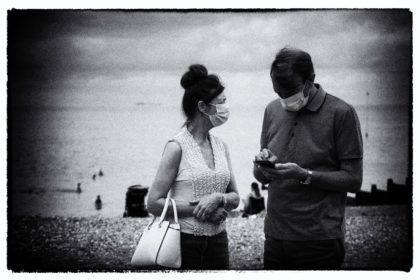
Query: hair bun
point(195, 74)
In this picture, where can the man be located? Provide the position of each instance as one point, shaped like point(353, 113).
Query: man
point(315, 142)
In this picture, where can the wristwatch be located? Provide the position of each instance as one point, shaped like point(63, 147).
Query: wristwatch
point(307, 181)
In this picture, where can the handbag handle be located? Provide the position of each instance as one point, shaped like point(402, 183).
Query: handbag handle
point(175, 211)
point(165, 209)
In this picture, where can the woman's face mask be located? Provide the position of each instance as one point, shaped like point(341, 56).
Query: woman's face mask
point(221, 115)
point(295, 102)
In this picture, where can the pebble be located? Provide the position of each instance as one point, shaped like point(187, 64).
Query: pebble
point(373, 241)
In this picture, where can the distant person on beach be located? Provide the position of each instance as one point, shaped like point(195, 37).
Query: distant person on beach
point(254, 201)
point(98, 203)
point(314, 139)
point(196, 169)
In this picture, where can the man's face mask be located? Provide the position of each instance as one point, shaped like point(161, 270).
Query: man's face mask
point(296, 101)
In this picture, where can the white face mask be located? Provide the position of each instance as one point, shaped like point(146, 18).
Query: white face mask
point(295, 102)
point(221, 115)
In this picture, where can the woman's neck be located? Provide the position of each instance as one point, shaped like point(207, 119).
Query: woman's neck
point(199, 129)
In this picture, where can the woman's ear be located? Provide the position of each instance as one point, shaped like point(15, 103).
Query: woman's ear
point(202, 106)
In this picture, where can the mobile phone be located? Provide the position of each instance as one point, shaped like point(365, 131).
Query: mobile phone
point(265, 163)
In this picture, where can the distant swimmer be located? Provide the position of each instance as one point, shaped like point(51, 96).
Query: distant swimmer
point(101, 173)
point(79, 189)
point(94, 177)
point(98, 203)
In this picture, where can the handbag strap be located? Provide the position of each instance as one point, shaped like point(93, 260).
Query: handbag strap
point(175, 211)
point(165, 209)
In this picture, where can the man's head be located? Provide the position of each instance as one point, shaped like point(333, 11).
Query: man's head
point(290, 70)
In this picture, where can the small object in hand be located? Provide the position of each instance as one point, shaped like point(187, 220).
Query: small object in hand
point(265, 163)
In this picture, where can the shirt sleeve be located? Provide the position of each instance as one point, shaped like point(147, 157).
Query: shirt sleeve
point(349, 141)
point(263, 140)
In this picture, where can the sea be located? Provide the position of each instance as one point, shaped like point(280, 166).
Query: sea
point(52, 149)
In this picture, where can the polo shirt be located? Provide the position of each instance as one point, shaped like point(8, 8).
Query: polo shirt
point(317, 137)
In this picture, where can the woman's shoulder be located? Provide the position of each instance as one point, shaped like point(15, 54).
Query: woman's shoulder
point(219, 141)
point(178, 139)
point(173, 148)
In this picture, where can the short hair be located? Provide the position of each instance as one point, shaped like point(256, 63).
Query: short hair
point(199, 86)
point(293, 59)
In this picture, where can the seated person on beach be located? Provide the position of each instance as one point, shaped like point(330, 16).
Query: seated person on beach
point(254, 202)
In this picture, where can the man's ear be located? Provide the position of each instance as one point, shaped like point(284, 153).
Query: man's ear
point(202, 106)
point(312, 77)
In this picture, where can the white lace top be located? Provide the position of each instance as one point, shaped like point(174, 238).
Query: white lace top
point(196, 179)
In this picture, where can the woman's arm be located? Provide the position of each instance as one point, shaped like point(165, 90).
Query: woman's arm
point(232, 194)
point(165, 176)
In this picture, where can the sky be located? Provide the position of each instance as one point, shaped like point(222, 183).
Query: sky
point(105, 58)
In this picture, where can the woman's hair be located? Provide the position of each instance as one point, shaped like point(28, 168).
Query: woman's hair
point(256, 189)
point(198, 85)
point(298, 61)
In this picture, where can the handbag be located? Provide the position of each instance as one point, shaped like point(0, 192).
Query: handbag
point(160, 243)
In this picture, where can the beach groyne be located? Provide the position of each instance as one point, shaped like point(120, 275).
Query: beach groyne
point(393, 194)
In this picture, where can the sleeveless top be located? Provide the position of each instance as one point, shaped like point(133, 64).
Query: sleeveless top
point(195, 179)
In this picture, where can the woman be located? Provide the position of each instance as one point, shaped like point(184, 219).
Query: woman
point(196, 169)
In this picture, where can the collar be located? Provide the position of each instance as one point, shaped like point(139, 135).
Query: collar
point(317, 99)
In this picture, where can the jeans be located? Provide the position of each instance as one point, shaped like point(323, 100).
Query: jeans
point(205, 252)
point(300, 255)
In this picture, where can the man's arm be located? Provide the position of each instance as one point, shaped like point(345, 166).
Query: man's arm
point(348, 178)
point(258, 174)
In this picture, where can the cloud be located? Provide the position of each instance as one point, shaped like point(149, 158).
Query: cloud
point(51, 50)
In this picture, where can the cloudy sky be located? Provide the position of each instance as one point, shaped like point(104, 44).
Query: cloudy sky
point(103, 58)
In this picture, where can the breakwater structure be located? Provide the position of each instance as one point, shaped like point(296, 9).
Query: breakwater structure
point(134, 201)
point(393, 194)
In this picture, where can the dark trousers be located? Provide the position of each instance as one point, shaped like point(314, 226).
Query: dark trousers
point(302, 255)
point(205, 252)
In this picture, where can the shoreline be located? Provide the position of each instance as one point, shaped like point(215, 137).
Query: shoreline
point(377, 237)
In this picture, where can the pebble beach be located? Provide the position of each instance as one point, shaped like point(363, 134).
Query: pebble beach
point(377, 238)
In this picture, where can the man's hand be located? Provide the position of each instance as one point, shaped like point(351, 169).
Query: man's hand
point(283, 171)
point(266, 154)
point(207, 206)
point(218, 216)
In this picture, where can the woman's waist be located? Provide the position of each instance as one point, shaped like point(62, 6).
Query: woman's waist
point(191, 225)
point(220, 234)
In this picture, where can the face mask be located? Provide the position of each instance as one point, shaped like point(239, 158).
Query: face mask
point(295, 102)
point(221, 115)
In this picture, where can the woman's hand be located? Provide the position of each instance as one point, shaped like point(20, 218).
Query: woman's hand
point(207, 206)
point(218, 216)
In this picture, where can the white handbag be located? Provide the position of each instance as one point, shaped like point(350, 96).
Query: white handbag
point(160, 243)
